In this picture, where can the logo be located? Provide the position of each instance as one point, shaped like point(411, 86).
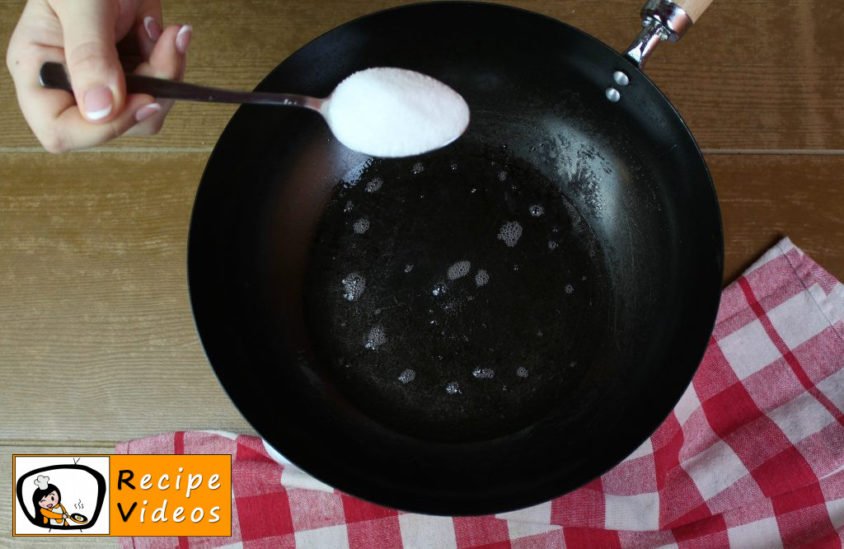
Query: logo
point(61, 495)
point(121, 495)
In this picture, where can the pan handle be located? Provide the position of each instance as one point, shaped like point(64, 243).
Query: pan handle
point(664, 20)
point(694, 8)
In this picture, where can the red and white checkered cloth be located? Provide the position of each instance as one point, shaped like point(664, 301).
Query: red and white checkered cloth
point(752, 456)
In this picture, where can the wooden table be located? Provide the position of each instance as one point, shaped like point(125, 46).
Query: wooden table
point(95, 323)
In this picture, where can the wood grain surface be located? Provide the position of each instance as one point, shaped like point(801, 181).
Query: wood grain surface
point(95, 305)
point(94, 312)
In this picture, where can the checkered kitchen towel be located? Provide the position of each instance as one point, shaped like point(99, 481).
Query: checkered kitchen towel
point(752, 456)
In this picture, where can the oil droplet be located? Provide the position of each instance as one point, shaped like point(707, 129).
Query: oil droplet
point(353, 286)
point(407, 376)
point(459, 270)
point(522, 372)
point(481, 278)
point(376, 338)
point(483, 373)
point(510, 233)
point(453, 388)
point(439, 289)
point(536, 210)
point(361, 225)
point(373, 185)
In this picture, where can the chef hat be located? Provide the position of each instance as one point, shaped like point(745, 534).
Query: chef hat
point(41, 481)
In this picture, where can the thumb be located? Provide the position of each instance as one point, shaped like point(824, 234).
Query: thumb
point(91, 55)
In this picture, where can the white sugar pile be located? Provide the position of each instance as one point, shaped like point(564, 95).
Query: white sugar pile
point(391, 112)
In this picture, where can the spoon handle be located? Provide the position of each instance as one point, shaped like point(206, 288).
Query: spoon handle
point(54, 76)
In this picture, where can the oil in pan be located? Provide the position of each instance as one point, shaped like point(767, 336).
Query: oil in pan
point(454, 296)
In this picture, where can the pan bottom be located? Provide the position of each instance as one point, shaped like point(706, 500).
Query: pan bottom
point(457, 296)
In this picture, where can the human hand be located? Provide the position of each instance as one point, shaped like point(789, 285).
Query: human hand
point(96, 40)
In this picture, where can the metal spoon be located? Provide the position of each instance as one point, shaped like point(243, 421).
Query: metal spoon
point(54, 76)
point(391, 122)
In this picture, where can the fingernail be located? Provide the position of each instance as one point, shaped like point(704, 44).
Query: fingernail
point(183, 38)
point(152, 27)
point(146, 111)
point(98, 102)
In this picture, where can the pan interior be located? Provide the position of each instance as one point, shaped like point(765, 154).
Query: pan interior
point(455, 296)
point(271, 244)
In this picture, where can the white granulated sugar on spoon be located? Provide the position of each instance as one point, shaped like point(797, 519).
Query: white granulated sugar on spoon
point(390, 112)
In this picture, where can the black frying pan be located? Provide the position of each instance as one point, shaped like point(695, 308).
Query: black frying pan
point(445, 387)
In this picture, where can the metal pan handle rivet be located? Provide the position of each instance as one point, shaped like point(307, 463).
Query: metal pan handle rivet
point(613, 95)
point(621, 78)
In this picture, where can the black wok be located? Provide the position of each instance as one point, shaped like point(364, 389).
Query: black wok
point(537, 295)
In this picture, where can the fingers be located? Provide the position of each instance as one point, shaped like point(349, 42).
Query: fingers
point(68, 129)
point(86, 46)
point(35, 40)
point(149, 26)
point(88, 28)
point(52, 114)
point(167, 60)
